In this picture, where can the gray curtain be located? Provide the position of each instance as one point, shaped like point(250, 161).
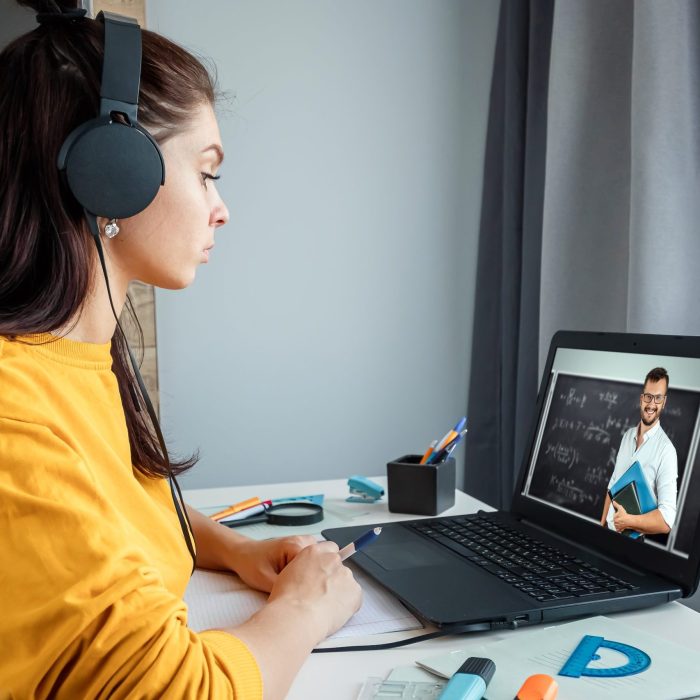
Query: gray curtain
point(503, 382)
point(621, 241)
point(590, 204)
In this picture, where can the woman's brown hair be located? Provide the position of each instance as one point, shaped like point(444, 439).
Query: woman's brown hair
point(49, 84)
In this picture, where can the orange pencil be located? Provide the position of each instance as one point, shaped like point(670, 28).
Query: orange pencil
point(428, 452)
point(236, 508)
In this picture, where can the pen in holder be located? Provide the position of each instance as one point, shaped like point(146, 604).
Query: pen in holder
point(420, 489)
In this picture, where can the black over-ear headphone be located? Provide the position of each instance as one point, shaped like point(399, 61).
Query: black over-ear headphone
point(115, 169)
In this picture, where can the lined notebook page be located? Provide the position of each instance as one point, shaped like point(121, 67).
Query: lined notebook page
point(217, 600)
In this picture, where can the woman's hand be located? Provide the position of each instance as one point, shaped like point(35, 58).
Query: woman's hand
point(258, 563)
point(320, 585)
point(311, 598)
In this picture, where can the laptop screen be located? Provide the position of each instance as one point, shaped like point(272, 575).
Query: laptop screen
point(626, 426)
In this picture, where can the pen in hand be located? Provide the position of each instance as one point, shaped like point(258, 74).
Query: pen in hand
point(359, 543)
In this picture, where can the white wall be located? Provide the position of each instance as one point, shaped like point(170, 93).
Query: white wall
point(331, 330)
point(683, 372)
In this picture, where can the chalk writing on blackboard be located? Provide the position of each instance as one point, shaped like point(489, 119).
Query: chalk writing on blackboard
point(586, 419)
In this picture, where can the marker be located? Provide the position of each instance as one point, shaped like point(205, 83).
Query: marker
point(470, 681)
point(538, 687)
point(359, 543)
point(236, 507)
point(246, 513)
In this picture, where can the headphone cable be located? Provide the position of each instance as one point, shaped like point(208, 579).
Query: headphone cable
point(175, 491)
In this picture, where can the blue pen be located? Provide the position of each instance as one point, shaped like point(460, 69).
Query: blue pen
point(359, 543)
point(449, 448)
point(470, 681)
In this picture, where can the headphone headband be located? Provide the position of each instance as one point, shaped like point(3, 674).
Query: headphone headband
point(121, 67)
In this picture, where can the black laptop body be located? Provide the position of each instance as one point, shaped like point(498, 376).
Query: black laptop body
point(549, 558)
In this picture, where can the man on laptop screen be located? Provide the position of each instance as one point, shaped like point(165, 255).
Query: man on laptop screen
point(647, 444)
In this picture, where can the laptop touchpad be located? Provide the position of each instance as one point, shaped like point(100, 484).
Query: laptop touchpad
point(392, 557)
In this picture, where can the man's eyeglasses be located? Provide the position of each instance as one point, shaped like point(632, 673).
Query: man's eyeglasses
point(658, 398)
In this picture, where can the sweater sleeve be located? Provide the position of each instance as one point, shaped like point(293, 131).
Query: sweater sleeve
point(85, 614)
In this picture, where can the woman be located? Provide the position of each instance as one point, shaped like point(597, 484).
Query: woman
point(93, 564)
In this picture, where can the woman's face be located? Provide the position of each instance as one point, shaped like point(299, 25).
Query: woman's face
point(165, 243)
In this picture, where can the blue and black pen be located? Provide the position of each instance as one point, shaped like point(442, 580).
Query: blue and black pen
point(359, 543)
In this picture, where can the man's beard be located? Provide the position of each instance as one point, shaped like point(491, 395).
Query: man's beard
point(650, 420)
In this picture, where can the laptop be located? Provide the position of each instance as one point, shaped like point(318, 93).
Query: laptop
point(552, 555)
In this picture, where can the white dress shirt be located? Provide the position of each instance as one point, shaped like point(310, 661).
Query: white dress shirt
point(657, 457)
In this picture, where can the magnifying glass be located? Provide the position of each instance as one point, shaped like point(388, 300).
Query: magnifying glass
point(288, 514)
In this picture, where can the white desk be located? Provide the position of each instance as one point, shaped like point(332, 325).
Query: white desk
point(340, 676)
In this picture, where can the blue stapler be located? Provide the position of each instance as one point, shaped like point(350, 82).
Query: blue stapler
point(364, 490)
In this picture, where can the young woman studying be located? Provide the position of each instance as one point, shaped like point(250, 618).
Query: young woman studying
point(96, 548)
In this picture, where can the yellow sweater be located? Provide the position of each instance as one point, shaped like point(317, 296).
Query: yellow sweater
point(93, 564)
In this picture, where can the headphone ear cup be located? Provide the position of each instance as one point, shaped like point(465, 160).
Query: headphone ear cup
point(114, 170)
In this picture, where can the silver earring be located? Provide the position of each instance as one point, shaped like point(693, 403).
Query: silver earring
point(111, 229)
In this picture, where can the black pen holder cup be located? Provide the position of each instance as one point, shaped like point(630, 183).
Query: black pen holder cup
point(420, 489)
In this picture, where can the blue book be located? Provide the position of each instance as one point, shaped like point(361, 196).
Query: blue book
point(645, 495)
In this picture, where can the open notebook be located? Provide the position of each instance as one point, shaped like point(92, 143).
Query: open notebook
point(217, 601)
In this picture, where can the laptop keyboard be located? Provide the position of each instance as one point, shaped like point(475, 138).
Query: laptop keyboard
point(538, 569)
